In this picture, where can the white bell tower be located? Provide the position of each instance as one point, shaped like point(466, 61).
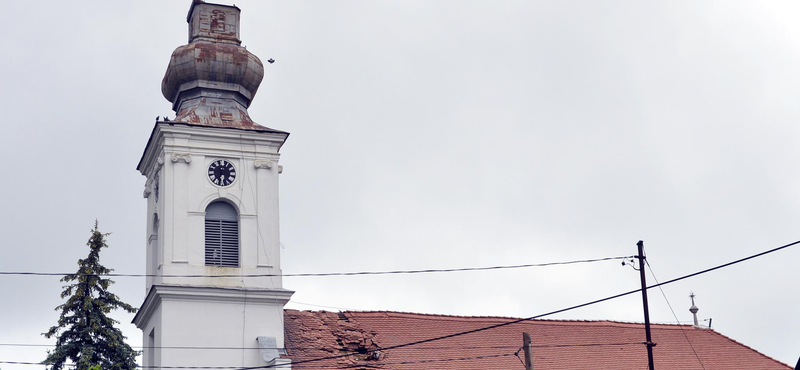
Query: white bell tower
point(212, 208)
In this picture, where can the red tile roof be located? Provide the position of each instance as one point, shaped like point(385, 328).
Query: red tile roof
point(557, 344)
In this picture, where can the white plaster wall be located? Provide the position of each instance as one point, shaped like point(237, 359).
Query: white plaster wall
point(218, 324)
point(154, 323)
point(211, 317)
point(185, 191)
point(208, 311)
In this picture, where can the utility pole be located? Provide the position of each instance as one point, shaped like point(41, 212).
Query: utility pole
point(526, 346)
point(649, 343)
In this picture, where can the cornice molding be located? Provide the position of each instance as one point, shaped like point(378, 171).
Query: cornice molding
point(266, 142)
point(216, 133)
point(183, 293)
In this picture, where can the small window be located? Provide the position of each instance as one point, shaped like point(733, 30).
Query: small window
point(222, 235)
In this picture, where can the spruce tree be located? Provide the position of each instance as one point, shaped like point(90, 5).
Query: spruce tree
point(85, 334)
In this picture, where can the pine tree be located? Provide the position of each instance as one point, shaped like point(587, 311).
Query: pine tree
point(84, 334)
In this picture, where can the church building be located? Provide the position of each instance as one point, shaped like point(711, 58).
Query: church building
point(212, 218)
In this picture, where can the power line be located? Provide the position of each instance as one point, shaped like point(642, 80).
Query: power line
point(340, 349)
point(438, 360)
point(414, 343)
point(674, 315)
point(21, 363)
point(355, 273)
point(301, 366)
point(377, 363)
point(548, 313)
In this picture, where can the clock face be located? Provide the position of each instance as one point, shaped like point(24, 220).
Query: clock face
point(221, 172)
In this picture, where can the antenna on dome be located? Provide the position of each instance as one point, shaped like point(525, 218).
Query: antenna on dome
point(694, 309)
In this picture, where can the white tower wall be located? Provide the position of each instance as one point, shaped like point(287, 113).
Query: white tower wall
point(211, 82)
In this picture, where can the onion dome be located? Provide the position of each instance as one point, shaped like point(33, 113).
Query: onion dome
point(212, 80)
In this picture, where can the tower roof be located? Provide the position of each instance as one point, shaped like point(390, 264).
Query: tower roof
point(212, 80)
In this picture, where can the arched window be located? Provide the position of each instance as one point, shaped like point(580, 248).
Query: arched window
point(222, 235)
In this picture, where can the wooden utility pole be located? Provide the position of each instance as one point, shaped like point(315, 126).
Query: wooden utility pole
point(526, 346)
point(649, 342)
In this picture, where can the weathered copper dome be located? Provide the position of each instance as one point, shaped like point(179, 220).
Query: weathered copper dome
point(212, 65)
point(212, 80)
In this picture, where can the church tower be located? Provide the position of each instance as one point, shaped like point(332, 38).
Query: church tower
point(212, 208)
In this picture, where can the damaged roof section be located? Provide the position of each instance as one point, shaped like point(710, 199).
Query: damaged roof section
point(325, 334)
point(557, 344)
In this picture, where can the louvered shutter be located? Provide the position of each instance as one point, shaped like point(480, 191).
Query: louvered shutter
point(222, 235)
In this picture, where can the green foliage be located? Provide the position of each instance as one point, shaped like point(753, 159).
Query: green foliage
point(84, 334)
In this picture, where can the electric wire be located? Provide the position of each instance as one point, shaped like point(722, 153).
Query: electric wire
point(653, 274)
point(341, 349)
point(551, 312)
point(260, 236)
point(294, 365)
point(452, 359)
point(519, 358)
point(361, 366)
point(457, 334)
point(302, 366)
point(447, 359)
point(354, 273)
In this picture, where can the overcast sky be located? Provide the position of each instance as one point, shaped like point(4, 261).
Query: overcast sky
point(436, 134)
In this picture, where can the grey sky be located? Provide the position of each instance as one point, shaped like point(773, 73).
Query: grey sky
point(435, 134)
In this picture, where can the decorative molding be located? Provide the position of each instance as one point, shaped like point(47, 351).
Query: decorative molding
point(159, 293)
point(264, 164)
point(159, 162)
point(280, 169)
point(181, 157)
point(272, 140)
point(148, 188)
point(234, 201)
point(156, 184)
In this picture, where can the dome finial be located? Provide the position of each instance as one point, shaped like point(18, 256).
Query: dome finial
point(694, 309)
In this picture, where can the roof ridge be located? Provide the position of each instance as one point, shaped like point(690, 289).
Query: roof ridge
point(430, 316)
